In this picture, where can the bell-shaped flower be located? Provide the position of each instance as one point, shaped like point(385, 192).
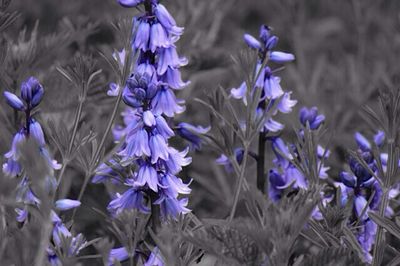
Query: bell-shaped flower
point(280, 57)
point(67, 204)
point(159, 148)
point(168, 22)
point(14, 101)
point(165, 102)
point(147, 175)
point(130, 3)
point(192, 133)
point(168, 57)
point(142, 37)
point(32, 92)
point(252, 42)
point(158, 37)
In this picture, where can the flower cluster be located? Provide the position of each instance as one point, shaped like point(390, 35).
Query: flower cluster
point(31, 95)
point(365, 189)
point(272, 92)
point(284, 174)
point(151, 102)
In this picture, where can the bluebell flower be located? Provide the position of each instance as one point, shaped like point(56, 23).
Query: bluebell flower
point(67, 204)
point(155, 258)
point(172, 207)
point(176, 160)
point(192, 133)
point(272, 87)
point(284, 174)
point(168, 22)
point(149, 95)
point(138, 145)
point(266, 45)
point(165, 102)
point(362, 185)
point(286, 104)
point(173, 78)
point(147, 175)
point(158, 37)
point(280, 57)
point(173, 186)
point(159, 148)
point(240, 93)
point(32, 92)
point(117, 254)
point(311, 116)
point(272, 125)
point(252, 42)
point(142, 37)
point(14, 101)
point(225, 161)
point(168, 57)
point(130, 3)
point(113, 90)
point(130, 199)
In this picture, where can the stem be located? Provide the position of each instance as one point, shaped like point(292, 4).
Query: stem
point(379, 238)
point(78, 116)
point(239, 185)
point(46, 231)
point(155, 212)
point(98, 150)
point(261, 164)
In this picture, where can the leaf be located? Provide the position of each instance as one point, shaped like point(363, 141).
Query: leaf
point(332, 257)
point(385, 223)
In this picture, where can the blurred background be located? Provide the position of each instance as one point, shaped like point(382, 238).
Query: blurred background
point(345, 52)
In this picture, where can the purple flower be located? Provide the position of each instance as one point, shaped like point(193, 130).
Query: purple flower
point(240, 93)
point(362, 142)
point(272, 125)
point(130, 199)
point(149, 119)
point(168, 57)
point(172, 186)
point(191, 133)
point(176, 160)
point(67, 204)
point(166, 103)
point(36, 132)
point(158, 37)
point(252, 42)
point(366, 237)
point(286, 104)
point(113, 90)
point(173, 78)
point(159, 148)
point(130, 3)
point(117, 254)
point(145, 135)
point(280, 57)
point(272, 87)
point(14, 101)
point(155, 258)
point(172, 207)
point(147, 175)
point(32, 92)
point(167, 20)
point(311, 117)
point(142, 35)
point(15, 152)
point(162, 127)
point(225, 161)
point(137, 145)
